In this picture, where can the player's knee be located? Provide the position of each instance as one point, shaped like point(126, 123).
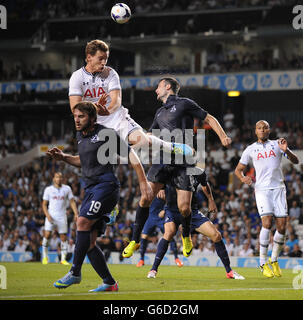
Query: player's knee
point(185, 210)
point(216, 236)
point(83, 224)
point(281, 229)
point(168, 236)
point(266, 224)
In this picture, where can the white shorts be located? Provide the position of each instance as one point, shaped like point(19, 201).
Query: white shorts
point(60, 223)
point(120, 121)
point(272, 202)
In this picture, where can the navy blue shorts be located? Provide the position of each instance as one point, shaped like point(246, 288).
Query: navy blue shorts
point(197, 218)
point(152, 223)
point(176, 176)
point(99, 200)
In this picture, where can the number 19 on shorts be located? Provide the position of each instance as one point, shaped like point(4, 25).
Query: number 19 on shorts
point(95, 206)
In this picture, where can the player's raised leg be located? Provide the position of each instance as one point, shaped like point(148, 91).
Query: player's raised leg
point(138, 138)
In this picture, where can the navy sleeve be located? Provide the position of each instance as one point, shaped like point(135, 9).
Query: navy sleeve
point(194, 110)
point(155, 124)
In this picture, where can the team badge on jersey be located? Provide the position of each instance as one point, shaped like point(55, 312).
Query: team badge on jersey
point(94, 139)
point(173, 109)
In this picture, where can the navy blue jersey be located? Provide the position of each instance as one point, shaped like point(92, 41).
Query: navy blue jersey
point(92, 155)
point(177, 113)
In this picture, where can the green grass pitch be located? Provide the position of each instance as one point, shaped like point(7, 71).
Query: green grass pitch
point(34, 281)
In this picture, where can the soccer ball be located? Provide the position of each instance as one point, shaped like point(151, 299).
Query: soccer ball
point(120, 13)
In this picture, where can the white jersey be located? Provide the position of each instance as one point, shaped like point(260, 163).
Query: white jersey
point(58, 199)
point(266, 159)
point(91, 86)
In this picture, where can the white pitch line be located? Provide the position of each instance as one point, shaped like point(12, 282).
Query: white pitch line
point(138, 292)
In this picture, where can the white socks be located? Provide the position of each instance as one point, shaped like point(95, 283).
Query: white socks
point(277, 246)
point(44, 247)
point(166, 146)
point(64, 246)
point(264, 242)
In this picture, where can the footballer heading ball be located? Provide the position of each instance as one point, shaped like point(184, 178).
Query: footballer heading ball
point(120, 13)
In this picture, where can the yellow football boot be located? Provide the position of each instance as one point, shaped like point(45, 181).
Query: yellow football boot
point(187, 246)
point(266, 270)
point(130, 249)
point(275, 267)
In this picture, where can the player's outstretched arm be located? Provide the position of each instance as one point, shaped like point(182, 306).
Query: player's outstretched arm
point(215, 125)
point(73, 205)
point(45, 211)
point(283, 145)
point(59, 155)
point(145, 188)
point(239, 172)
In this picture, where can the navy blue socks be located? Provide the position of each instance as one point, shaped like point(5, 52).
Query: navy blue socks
point(141, 217)
point(143, 246)
point(223, 255)
point(81, 247)
point(98, 262)
point(173, 248)
point(186, 224)
point(161, 250)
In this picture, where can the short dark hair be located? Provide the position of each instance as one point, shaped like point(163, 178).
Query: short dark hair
point(87, 107)
point(93, 46)
point(174, 84)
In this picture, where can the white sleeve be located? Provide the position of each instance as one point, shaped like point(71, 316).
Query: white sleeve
point(245, 158)
point(69, 193)
point(114, 83)
point(75, 88)
point(281, 151)
point(46, 194)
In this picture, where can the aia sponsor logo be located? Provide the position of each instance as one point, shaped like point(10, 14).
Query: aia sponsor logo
point(58, 197)
point(94, 93)
point(266, 155)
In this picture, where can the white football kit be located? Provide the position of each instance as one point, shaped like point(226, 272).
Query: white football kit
point(58, 200)
point(270, 189)
point(91, 86)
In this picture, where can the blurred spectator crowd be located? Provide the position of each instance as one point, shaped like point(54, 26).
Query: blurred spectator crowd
point(241, 136)
point(22, 218)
